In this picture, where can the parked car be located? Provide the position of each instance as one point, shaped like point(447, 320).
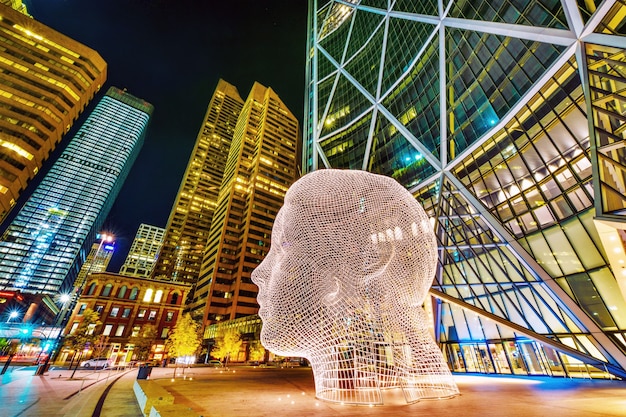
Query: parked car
point(96, 363)
point(215, 364)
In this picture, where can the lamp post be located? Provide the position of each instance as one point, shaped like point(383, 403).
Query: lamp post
point(70, 300)
point(79, 285)
point(12, 315)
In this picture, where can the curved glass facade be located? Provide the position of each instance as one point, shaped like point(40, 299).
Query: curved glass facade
point(44, 246)
point(506, 121)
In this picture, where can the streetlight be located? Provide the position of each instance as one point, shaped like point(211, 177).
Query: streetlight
point(13, 314)
point(69, 300)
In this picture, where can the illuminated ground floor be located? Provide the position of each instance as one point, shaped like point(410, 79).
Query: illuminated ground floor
point(520, 356)
point(517, 357)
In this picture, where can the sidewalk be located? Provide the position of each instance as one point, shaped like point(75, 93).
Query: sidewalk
point(274, 392)
point(55, 394)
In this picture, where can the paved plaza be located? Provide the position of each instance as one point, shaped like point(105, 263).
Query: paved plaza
point(275, 392)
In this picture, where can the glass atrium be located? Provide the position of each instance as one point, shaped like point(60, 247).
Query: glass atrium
point(507, 121)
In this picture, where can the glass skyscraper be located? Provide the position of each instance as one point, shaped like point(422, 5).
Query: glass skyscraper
point(506, 121)
point(44, 247)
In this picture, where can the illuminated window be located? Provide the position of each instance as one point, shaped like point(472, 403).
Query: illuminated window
point(107, 329)
point(164, 332)
point(148, 296)
point(141, 313)
point(133, 294)
point(152, 315)
point(169, 316)
point(74, 327)
point(91, 328)
point(126, 313)
point(115, 311)
point(136, 331)
point(158, 295)
point(119, 331)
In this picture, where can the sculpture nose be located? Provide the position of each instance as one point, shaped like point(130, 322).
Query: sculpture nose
point(260, 274)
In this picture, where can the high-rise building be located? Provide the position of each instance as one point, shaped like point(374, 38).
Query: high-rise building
point(97, 259)
point(45, 245)
point(506, 121)
point(190, 218)
point(143, 252)
point(16, 5)
point(46, 81)
point(260, 168)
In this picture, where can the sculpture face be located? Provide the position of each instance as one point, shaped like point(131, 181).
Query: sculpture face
point(351, 261)
point(342, 240)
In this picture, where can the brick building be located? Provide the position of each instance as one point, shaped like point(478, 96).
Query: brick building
point(126, 305)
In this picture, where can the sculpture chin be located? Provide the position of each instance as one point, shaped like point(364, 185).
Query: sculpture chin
point(282, 346)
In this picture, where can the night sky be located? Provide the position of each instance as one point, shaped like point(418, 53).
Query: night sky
point(171, 53)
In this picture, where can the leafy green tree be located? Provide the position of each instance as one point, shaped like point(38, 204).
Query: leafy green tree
point(228, 344)
point(4, 346)
point(184, 339)
point(84, 336)
point(143, 341)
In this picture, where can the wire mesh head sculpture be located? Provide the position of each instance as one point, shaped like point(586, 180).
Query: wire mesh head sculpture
point(352, 258)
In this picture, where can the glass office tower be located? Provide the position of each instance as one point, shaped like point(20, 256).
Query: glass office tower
point(506, 121)
point(44, 247)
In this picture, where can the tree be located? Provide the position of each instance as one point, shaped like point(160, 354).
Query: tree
point(184, 339)
point(143, 341)
point(84, 336)
point(257, 351)
point(228, 343)
point(100, 345)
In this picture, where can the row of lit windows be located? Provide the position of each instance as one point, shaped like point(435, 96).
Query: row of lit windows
point(125, 312)
point(149, 296)
point(107, 330)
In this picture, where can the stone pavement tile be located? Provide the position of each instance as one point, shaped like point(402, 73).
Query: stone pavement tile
point(54, 394)
point(271, 392)
point(120, 400)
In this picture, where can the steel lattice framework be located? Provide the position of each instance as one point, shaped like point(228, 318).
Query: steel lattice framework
point(505, 120)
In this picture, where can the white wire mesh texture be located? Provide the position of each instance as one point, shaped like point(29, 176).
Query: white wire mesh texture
point(352, 258)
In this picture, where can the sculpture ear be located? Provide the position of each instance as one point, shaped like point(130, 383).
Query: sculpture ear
point(376, 262)
point(332, 296)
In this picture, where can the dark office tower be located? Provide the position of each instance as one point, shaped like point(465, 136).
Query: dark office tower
point(46, 81)
point(506, 121)
point(46, 244)
point(190, 218)
point(261, 166)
